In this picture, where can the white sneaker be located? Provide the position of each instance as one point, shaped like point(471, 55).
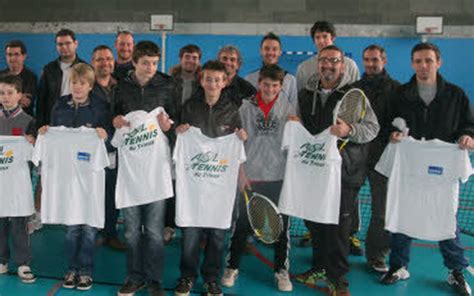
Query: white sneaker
point(283, 281)
point(229, 277)
point(3, 268)
point(26, 275)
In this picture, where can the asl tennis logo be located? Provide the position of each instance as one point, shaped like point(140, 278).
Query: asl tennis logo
point(141, 136)
point(6, 158)
point(208, 165)
point(311, 154)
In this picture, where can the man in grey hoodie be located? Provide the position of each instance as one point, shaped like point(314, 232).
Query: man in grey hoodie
point(317, 102)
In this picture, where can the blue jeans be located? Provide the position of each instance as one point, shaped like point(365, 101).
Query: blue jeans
point(144, 239)
point(80, 247)
point(451, 249)
point(213, 252)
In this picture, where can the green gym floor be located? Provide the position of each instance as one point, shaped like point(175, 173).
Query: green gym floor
point(428, 275)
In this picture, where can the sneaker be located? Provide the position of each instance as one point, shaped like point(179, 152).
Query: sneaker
point(312, 277)
point(183, 287)
point(155, 289)
point(394, 274)
point(283, 281)
point(378, 266)
point(26, 275)
point(84, 283)
point(339, 287)
point(3, 268)
point(168, 234)
point(129, 288)
point(213, 289)
point(69, 280)
point(229, 277)
point(458, 282)
point(355, 248)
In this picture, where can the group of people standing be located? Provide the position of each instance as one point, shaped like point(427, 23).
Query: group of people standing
point(215, 99)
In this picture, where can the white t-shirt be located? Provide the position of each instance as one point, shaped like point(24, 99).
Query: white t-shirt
point(16, 193)
point(312, 184)
point(144, 171)
point(72, 176)
point(66, 69)
point(423, 187)
point(206, 178)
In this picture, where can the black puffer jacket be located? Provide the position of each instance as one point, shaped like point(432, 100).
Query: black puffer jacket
point(379, 89)
point(131, 96)
point(214, 121)
point(446, 118)
point(49, 89)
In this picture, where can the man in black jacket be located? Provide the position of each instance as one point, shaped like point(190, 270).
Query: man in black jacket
point(317, 102)
point(15, 55)
point(378, 87)
point(433, 109)
point(144, 89)
point(237, 88)
point(54, 82)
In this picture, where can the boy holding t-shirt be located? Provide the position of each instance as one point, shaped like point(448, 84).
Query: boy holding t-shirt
point(14, 219)
point(216, 115)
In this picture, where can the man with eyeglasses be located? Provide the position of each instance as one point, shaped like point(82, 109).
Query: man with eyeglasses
point(317, 102)
point(15, 55)
point(237, 87)
point(379, 87)
point(103, 63)
point(54, 81)
point(323, 34)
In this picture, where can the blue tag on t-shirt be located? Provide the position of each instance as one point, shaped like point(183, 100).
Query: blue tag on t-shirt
point(435, 170)
point(84, 156)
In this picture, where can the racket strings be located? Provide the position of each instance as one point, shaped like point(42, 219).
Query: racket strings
point(352, 107)
point(264, 219)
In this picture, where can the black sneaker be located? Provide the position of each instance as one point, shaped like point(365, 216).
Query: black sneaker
point(84, 283)
point(394, 275)
point(129, 288)
point(355, 248)
point(183, 287)
point(213, 289)
point(69, 280)
point(155, 289)
point(458, 282)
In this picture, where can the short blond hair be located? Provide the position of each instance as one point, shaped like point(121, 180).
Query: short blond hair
point(83, 71)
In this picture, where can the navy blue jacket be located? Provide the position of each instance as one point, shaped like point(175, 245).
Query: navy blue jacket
point(94, 113)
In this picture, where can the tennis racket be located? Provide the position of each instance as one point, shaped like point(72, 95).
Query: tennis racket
point(351, 108)
point(264, 217)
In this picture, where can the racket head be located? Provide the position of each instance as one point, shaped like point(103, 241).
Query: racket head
point(264, 218)
point(351, 107)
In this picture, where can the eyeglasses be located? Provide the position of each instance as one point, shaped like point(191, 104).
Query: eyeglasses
point(329, 60)
point(67, 43)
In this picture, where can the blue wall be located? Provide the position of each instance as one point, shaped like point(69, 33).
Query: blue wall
point(457, 67)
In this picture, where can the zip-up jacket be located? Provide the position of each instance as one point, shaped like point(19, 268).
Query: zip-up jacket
point(379, 89)
point(317, 118)
point(447, 117)
point(49, 89)
point(214, 121)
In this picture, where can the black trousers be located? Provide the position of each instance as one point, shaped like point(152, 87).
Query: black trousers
point(331, 242)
